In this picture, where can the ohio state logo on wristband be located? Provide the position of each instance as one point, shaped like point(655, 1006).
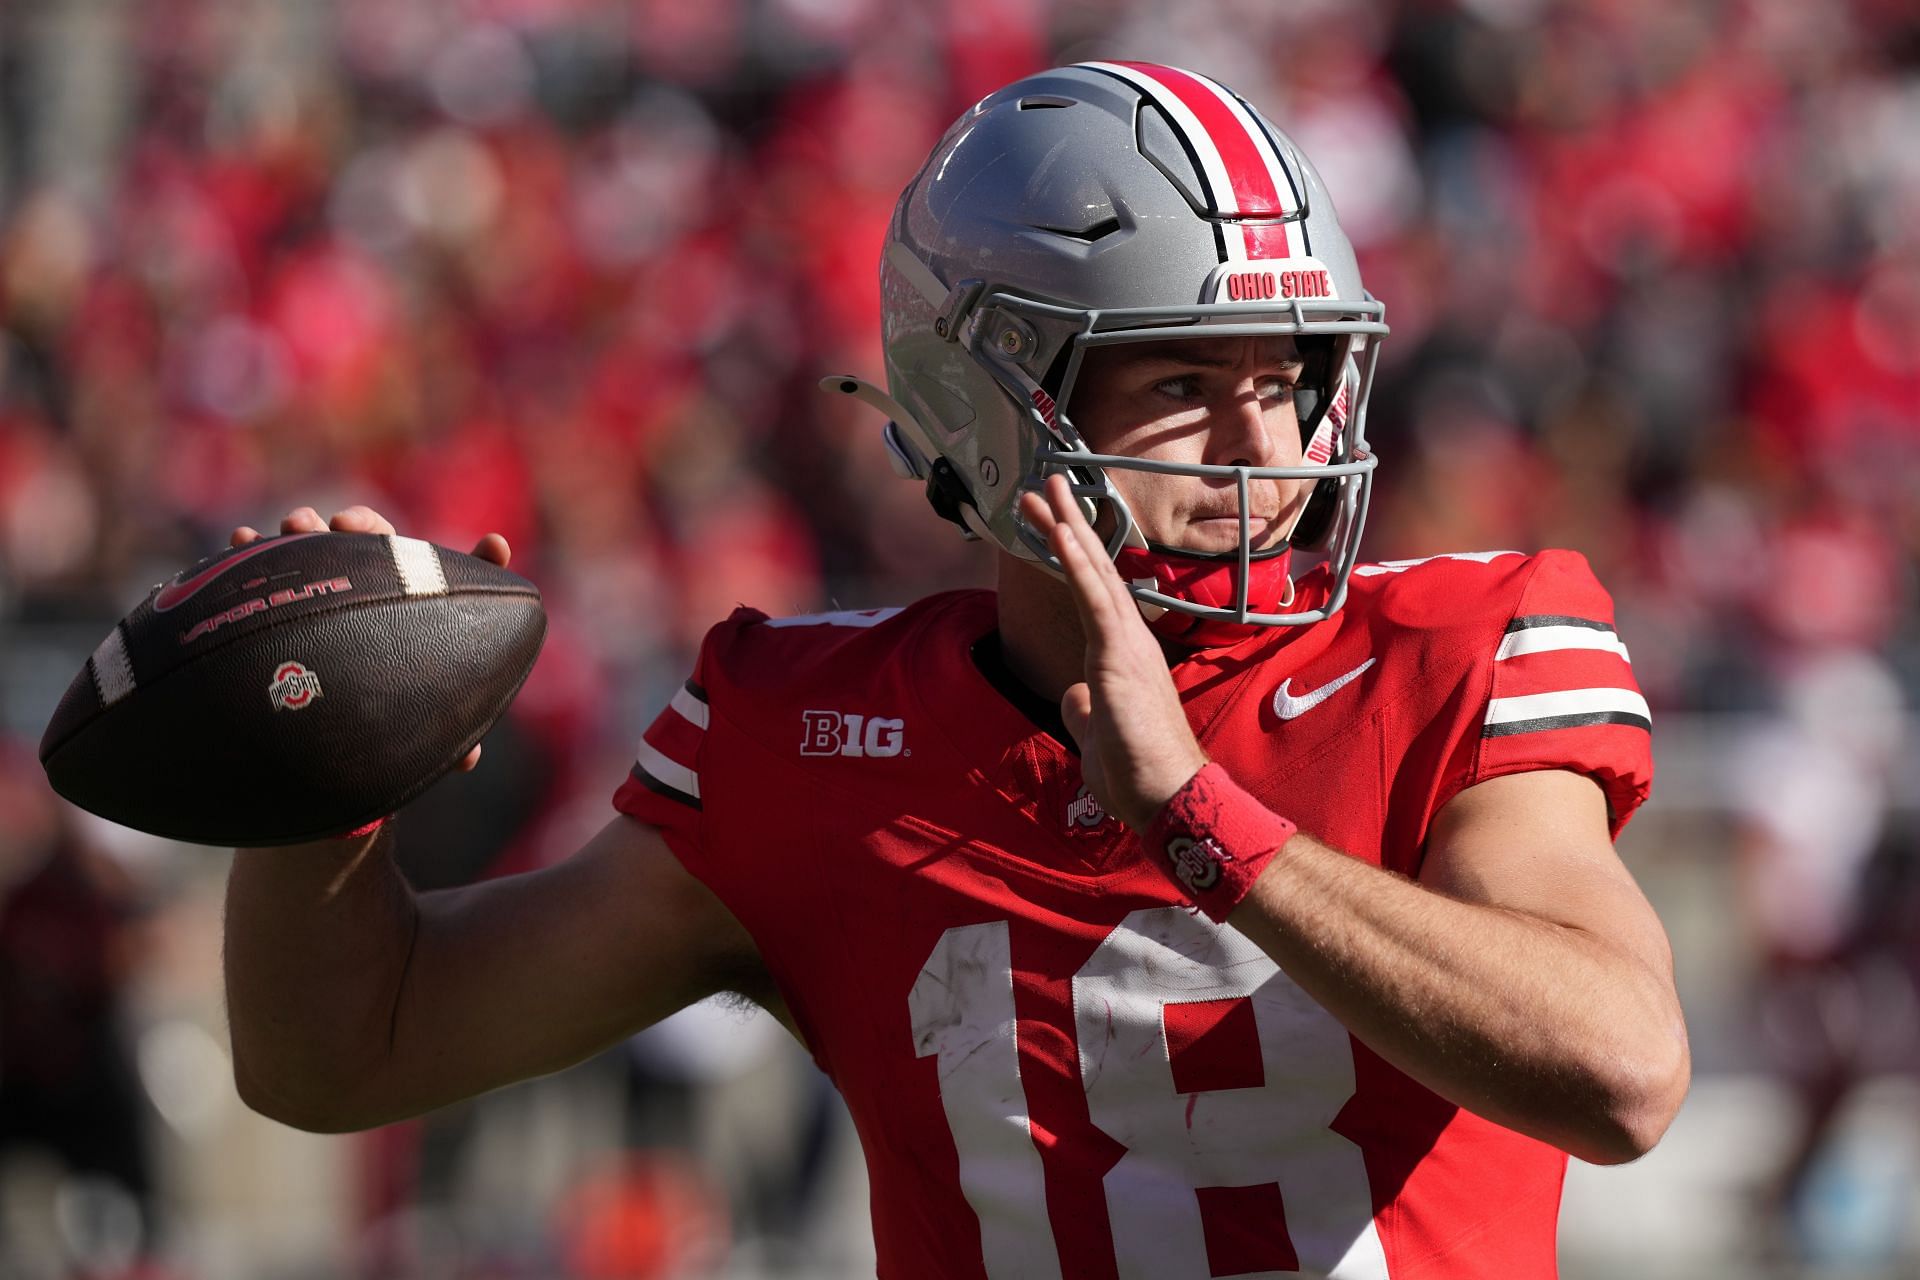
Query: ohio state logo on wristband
point(1196, 863)
point(1218, 839)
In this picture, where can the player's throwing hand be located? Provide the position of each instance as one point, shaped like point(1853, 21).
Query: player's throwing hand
point(364, 519)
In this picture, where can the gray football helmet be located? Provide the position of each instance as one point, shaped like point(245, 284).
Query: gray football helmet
point(1106, 203)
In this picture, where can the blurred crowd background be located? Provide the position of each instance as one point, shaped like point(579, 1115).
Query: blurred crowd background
point(570, 269)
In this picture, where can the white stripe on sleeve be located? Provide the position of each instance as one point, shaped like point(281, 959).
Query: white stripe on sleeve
point(677, 776)
point(691, 709)
point(1551, 639)
point(844, 618)
point(1566, 702)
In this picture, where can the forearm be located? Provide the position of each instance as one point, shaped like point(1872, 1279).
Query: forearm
point(1548, 1029)
point(318, 939)
point(356, 1003)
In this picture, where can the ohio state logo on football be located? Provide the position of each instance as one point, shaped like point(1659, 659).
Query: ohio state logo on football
point(293, 686)
point(843, 733)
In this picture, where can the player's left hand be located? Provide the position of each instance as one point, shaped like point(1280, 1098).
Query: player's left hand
point(1136, 747)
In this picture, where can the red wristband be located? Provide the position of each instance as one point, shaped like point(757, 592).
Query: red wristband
point(366, 830)
point(1217, 839)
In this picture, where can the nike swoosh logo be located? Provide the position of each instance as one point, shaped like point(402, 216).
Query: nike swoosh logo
point(1287, 706)
point(177, 593)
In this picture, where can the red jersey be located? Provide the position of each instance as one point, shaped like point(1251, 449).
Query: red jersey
point(1059, 1068)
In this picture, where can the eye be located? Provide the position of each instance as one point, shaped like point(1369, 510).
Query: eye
point(1185, 386)
point(1277, 387)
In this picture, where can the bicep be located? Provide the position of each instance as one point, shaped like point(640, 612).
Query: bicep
point(524, 975)
point(1537, 843)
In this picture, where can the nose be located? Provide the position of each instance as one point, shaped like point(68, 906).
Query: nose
point(1247, 430)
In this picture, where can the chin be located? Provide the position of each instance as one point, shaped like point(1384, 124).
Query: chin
point(1215, 537)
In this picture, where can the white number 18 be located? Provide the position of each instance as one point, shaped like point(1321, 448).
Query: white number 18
point(1177, 1143)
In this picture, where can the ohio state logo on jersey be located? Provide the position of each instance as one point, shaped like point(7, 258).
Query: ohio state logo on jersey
point(1084, 809)
point(293, 687)
point(845, 733)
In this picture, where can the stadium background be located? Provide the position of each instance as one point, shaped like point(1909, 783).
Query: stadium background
point(569, 269)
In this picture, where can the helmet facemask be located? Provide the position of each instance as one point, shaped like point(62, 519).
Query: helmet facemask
point(1339, 369)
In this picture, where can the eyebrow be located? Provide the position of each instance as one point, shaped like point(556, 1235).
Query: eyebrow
point(1195, 359)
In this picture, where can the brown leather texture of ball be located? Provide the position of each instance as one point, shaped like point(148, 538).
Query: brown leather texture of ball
point(293, 689)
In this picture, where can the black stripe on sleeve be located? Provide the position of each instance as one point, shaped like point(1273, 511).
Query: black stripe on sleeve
point(1579, 721)
point(1529, 621)
point(658, 787)
point(694, 688)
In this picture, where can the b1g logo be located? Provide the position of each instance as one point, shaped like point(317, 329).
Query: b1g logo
point(293, 686)
point(840, 733)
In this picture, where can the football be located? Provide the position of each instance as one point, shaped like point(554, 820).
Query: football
point(293, 689)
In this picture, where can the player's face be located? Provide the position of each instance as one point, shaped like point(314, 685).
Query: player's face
point(1221, 401)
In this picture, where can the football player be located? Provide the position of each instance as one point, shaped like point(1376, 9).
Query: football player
point(1203, 901)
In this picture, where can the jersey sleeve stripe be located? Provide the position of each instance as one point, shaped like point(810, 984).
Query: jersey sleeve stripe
point(691, 706)
point(843, 618)
point(1574, 633)
point(660, 788)
point(1555, 671)
point(1581, 721)
point(678, 739)
point(1565, 708)
point(1530, 620)
point(676, 777)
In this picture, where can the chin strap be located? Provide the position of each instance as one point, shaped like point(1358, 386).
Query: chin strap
point(1210, 582)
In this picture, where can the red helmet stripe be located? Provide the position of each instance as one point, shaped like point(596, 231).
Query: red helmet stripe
point(1266, 239)
point(1259, 187)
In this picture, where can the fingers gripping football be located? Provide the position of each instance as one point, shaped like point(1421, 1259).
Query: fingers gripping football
point(360, 518)
point(1136, 747)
